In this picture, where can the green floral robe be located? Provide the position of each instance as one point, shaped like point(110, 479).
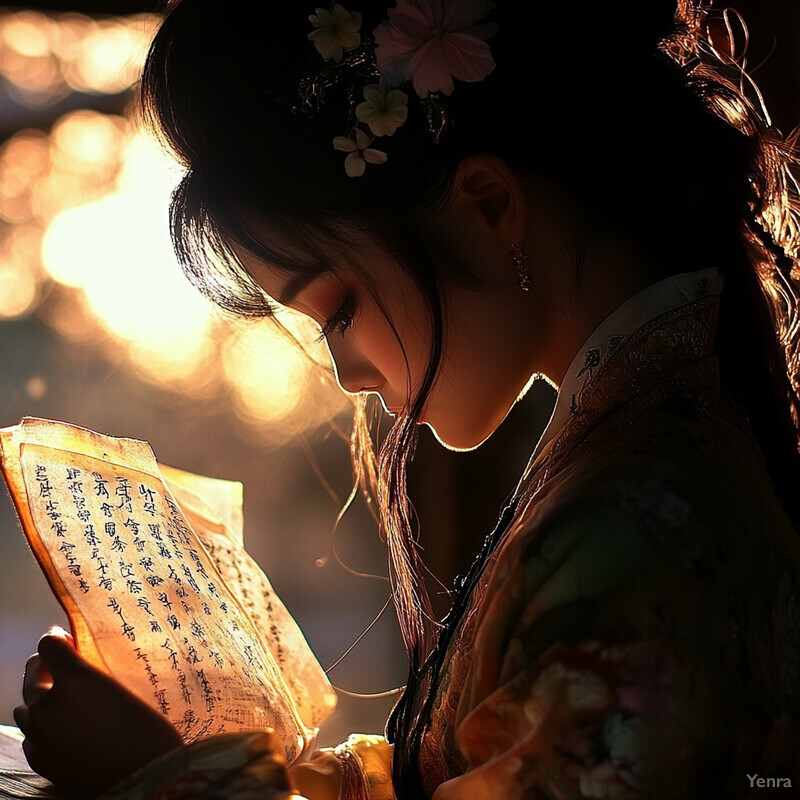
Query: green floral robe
point(636, 634)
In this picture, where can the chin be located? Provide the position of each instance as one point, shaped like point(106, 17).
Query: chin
point(459, 441)
point(469, 434)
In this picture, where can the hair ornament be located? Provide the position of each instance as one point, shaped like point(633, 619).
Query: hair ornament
point(356, 66)
point(425, 45)
point(522, 264)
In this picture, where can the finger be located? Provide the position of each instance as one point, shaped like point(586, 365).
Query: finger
point(59, 655)
point(30, 754)
point(57, 630)
point(37, 680)
point(21, 718)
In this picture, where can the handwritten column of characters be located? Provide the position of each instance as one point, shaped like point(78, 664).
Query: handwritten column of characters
point(161, 614)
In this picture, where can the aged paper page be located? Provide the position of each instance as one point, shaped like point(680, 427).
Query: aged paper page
point(144, 597)
point(307, 683)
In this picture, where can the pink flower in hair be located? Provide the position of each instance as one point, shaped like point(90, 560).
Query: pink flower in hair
point(430, 42)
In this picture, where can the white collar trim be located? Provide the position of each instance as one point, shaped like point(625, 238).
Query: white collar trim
point(655, 300)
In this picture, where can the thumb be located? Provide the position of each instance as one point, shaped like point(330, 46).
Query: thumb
point(58, 652)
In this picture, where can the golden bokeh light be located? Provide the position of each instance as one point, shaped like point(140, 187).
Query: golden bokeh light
point(46, 57)
point(74, 321)
point(84, 221)
point(68, 33)
point(36, 387)
point(180, 362)
point(99, 68)
point(20, 272)
point(87, 141)
point(118, 251)
point(280, 377)
point(263, 367)
point(23, 160)
point(18, 290)
point(27, 33)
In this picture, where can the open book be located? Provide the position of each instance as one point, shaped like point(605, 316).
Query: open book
point(149, 565)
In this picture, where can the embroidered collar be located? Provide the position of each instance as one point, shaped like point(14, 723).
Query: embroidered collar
point(620, 327)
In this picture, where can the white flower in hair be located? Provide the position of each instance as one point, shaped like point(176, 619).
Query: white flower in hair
point(358, 146)
point(384, 109)
point(336, 30)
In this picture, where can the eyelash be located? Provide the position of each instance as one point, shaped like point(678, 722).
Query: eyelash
point(342, 320)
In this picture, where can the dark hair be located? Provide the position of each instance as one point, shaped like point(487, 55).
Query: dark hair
point(655, 140)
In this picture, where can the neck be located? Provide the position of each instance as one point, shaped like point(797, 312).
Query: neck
point(592, 269)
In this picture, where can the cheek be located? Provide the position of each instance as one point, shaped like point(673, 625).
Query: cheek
point(392, 355)
point(403, 344)
point(485, 367)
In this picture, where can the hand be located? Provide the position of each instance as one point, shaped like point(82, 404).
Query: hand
point(84, 731)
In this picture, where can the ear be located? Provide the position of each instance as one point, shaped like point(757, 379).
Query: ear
point(487, 193)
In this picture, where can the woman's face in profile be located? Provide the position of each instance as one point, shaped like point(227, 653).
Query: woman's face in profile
point(377, 328)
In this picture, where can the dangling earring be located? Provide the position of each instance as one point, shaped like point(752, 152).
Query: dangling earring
point(522, 263)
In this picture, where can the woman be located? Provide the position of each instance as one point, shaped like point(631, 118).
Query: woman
point(632, 626)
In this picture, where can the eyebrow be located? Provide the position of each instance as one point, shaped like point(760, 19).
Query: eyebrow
point(295, 286)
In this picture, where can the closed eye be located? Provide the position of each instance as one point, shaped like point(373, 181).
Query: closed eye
point(342, 320)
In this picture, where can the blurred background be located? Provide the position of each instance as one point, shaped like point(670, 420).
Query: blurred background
point(99, 328)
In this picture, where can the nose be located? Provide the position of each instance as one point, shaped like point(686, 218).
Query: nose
point(354, 372)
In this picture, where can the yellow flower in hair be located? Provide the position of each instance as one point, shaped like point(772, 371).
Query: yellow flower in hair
point(383, 109)
point(336, 30)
